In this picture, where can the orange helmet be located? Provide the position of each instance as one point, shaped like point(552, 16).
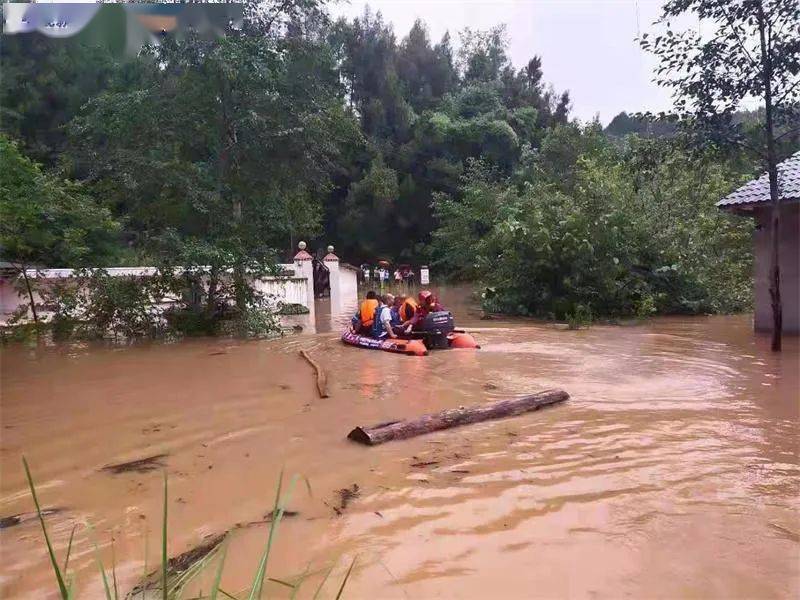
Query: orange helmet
point(424, 295)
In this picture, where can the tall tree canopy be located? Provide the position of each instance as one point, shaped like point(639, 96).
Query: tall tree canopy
point(424, 113)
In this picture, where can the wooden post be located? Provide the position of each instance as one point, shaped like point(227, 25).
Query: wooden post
point(322, 378)
point(455, 417)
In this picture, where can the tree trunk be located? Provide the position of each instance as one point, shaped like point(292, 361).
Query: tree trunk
point(211, 297)
point(30, 295)
point(454, 417)
point(774, 263)
point(774, 194)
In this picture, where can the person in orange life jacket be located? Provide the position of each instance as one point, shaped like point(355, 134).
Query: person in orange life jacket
point(398, 302)
point(364, 318)
point(406, 309)
point(382, 326)
point(428, 303)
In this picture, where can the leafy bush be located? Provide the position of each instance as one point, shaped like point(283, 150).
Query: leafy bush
point(95, 304)
point(610, 232)
point(291, 308)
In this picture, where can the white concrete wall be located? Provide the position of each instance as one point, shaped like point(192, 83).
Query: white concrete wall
point(9, 299)
point(304, 269)
point(348, 283)
point(297, 287)
point(292, 290)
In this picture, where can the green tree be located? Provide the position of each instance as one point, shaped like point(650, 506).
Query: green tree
point(427, 72)
point(603, 231)
point(226, 182)
point(47, 222)
point(45, 82)
point(483, 55)
point(370, 210)
point(753, 51)
point(368, 63)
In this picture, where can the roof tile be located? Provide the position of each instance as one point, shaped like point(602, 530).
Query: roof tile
point(757, 190)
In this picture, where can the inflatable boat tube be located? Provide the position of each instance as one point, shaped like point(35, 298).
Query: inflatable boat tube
point(399, 346)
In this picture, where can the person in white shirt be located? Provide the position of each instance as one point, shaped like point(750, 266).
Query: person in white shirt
point(385, 316)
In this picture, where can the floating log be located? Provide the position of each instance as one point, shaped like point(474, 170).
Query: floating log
point(150, 587)
point(14, 520)
point(455, 417)
point(141, 465)
point(322, 378)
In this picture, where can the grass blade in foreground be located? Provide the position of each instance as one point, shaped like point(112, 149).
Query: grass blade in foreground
point(114, 568)
point(346, 577)
point(277, 512)
point(322, 583)
point(218, 576)
point(164, 556)
point(100, 566)
point(69, 548)
point(62, 587)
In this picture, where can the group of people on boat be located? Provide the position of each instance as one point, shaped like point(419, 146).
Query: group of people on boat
point(390, 316)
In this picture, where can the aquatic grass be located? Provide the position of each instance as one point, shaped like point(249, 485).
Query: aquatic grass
point(99, 562)
point(114, 569)
point(164, 555)
point(300, 580)
point(277, 515)
point(144, 572)
point(346, 577)
point(218, 576)
point(173, 588)
point(62, 586)
point(322, 583)
point(69, 549)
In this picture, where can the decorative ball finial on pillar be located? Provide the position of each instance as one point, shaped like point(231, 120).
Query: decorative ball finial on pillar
point(302, 254)
point(331, 257)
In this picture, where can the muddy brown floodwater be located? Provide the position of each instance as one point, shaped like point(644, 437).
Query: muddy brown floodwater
point(671, 472)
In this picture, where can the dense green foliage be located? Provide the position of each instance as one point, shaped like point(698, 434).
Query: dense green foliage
point(587, 227)
point(425, 113)
point(46, 220)
point(218, 156)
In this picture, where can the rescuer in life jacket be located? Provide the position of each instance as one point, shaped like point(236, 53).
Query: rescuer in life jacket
point(428, 303)
point(362, 321)
point(406, 309)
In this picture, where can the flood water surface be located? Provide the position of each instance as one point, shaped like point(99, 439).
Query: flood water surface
point(672, 471)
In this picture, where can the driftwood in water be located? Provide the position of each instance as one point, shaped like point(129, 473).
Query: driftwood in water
point(13, 520)
point(454, 417)
point(151, 586)
point(322, 378)
point(141, 465)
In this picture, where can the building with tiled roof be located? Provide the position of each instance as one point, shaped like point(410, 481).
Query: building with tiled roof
point(753, 199)
point(757, 191)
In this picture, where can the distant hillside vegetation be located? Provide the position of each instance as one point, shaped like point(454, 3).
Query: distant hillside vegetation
point(624, 124)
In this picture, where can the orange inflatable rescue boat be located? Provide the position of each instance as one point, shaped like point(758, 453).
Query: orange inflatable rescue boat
point(436, 332)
